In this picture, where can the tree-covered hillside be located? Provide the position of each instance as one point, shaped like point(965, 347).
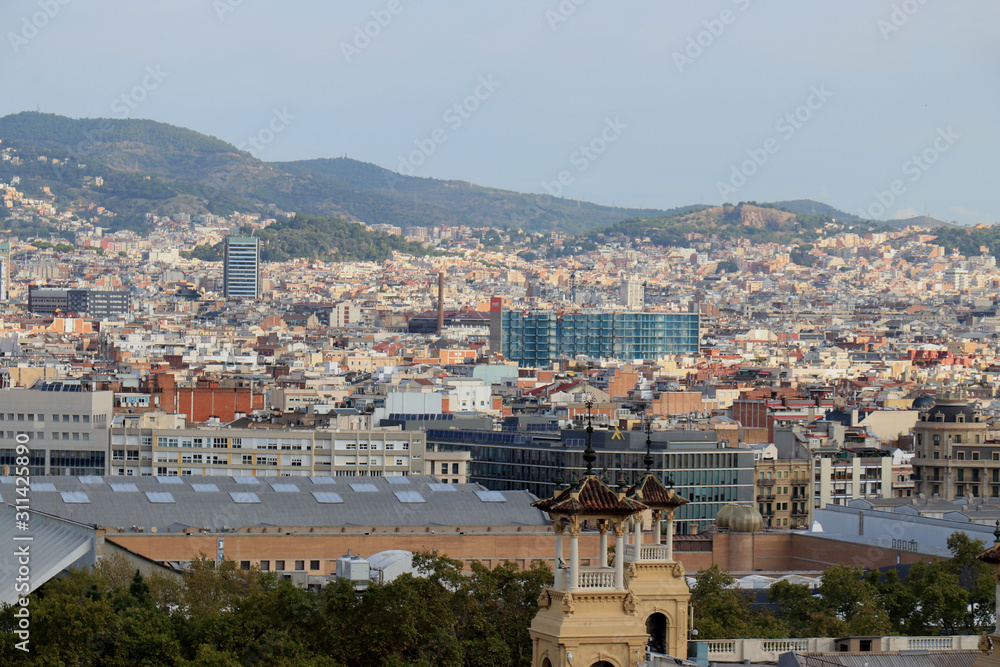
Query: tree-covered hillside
point(327, 239)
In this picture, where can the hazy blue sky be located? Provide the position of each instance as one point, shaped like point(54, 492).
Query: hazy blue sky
point(676, 102)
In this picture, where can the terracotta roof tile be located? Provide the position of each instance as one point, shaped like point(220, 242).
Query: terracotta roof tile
point(651, 492)
point(589, 496)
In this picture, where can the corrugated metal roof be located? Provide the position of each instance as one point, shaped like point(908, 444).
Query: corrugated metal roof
point(954, 658)
point(54, 546)
point(182, 503)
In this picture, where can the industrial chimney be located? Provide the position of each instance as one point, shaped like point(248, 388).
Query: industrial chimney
point(440, 323)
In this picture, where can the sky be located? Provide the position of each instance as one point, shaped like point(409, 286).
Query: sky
point(881, 108)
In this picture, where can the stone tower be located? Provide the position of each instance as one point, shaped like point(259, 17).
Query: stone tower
point(615, 610)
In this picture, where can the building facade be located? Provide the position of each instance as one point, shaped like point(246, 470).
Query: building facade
point(782, 490)
point(241, 267)
point(65, 427)
point(841, 478)
point(537, 337)
point(98, 304)
point(707, 473)
point(953, 459)
point(255, 452)
point(5, 272)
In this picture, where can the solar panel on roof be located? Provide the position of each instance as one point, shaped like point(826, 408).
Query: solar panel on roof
point(90, 479)
point(42, 486)
point(440, 487)
point(169, 480)
point(364, 488)
point(123, 488)
point(397, 480)
point(491, 496)
point(74, 497)
point(246, 480)
point(285, 488)
point(243, 497)
point(322, 480)
point(327, 497)
point(205, 488)
point(409, 497)
point(159, 497)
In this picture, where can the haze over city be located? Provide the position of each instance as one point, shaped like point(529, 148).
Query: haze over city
point(696, 89)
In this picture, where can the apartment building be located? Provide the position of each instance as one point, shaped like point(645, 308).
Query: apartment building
point(176, 449)
point(782, 491)
point(64, 425)
point(953, 458)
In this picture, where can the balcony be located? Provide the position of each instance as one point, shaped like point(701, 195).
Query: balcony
point(766, 482)
point(646, 552)
point(598, 578)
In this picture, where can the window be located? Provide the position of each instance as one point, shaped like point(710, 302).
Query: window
point(390, 445)
point(314, 565)
point(960, 456)
point(406, 445)
point(300, 565)
point(454, 468)
point(279, 565)
point(265, 565)
point(247, 459)
point(975, 456)
point(958, 438)
point(244, 565)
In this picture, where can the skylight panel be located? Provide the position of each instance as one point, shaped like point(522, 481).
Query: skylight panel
point(205, 488)
point(124, 488)
point(409, 497)
point(441, 487)
point(364, 488)
point(159, 497)
point(327, 497)
point(491, 496)
point(244, 497)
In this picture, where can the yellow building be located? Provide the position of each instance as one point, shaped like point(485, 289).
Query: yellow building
point(782, 489)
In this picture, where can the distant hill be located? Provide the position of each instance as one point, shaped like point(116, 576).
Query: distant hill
point(763, 223)
point(159, 168)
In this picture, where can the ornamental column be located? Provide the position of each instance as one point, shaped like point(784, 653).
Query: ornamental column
point(637, 534)
point(657, 531)
point(619, 528)
point(574, 557)
point(560, 528)
point(670, 535)
point(602, 526)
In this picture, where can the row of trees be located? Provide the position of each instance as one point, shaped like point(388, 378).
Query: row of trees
point(953, 596)
point(226, 617)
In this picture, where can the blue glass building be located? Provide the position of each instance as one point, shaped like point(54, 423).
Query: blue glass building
point(537, 337)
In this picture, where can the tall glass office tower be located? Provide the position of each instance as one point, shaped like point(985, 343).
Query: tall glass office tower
point(242, 267)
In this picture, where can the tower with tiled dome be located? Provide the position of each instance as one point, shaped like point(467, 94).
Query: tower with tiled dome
point(609, 612)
